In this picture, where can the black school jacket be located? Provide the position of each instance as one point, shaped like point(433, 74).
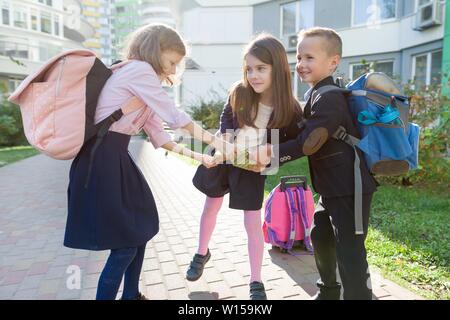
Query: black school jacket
point(331, 167)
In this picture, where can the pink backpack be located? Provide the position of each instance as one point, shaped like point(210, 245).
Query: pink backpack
point(289, 211)
point(58, 103)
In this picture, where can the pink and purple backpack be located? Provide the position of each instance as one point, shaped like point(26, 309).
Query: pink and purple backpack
point(289, 211)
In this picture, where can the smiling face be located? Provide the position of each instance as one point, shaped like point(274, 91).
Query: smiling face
point(314, 63)
point(258, 73)
point(169, 61)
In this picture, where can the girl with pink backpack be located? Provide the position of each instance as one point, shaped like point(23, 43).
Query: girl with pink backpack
point(110, 205)
point(262, 100)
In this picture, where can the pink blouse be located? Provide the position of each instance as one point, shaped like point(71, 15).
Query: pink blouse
point(138, 78)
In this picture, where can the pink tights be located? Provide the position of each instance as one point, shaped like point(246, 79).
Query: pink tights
point(252, 222)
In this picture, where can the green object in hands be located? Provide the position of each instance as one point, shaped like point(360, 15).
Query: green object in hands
point(242, 160)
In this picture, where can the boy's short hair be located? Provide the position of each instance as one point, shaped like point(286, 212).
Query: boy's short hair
point(333, 42)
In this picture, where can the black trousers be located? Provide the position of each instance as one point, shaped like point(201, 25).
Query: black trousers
point(334, 241)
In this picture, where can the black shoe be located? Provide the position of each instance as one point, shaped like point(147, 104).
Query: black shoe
point(327, 294)
point(140, 296)
point(257, 291)
point(195, 270)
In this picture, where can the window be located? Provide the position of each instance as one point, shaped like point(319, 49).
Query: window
point(373, 11)
point(427, 69)
point(46, 22)
point(47, 2)
point(358, 69)
point(120, 9)
point(12, 49)
point(288, 20)
point(56, 24)
point(13, 84)
point(20, 17)
point(5, 14)
point(34, 19)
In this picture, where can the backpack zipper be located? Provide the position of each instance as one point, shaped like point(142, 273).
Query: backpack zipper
point(58, 83)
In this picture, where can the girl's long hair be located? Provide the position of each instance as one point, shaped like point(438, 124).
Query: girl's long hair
point(245, 100)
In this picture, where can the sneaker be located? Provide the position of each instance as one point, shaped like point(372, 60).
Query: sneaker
point(257, 291)
point(140, 296)
point(197, 265)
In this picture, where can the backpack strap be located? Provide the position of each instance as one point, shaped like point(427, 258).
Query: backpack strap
point(293, 212)
point(131, 105)
point(341, 134)
point(304, 218)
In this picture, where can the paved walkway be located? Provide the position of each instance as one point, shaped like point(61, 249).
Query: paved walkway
point(35, 265)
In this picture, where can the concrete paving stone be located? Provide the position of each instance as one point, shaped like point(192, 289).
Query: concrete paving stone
point(244, 268)
point(13, 277)
point(31, 282)
point(221, 289)
point(27, 294)
point(236, 257)
point(38, 268)
point(165, 256)
point(153, 277)
point(309, 288)
point(88, 294)
point(284, 288)
point(379, 292)
point(241, 292)
point(212, 275)
point(159, 238)
point(7, 291)
point(174, 281)
point(80, 261)
point(183, 259)
point(94, 267)
point(50, 286)
point(172, 232)
point(150, 264)
point(179, 294)
point(150, 252)
point(22, 264)
point(156, 292)
point(223, 265)
point(233, 278)
point(161, 246)
point(170, 267)
point(56, 272)
point(174, 240)
point(200, 285)
point(46, 296)
point(89, 281)
point(66, 294)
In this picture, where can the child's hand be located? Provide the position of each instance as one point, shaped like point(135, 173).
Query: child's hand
point(261, 154)
point(208, 161)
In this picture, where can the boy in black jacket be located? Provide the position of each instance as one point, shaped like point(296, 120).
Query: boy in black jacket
point(331, 164)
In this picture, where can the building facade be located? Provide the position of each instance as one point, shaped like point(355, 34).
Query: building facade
point(402, 38)
point(32, 31)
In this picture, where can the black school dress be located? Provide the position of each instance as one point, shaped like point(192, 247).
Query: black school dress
point(117, 209)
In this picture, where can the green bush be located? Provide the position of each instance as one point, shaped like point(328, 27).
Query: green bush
point(430, 110)
point(11, 128)
point(208, 112)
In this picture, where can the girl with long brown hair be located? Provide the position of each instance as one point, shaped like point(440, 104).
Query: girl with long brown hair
point(262, 100)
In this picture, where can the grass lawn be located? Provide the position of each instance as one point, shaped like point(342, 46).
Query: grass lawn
point(409, 233)
point(13, 154)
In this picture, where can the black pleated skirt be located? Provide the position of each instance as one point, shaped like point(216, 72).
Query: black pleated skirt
point(117, 209)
